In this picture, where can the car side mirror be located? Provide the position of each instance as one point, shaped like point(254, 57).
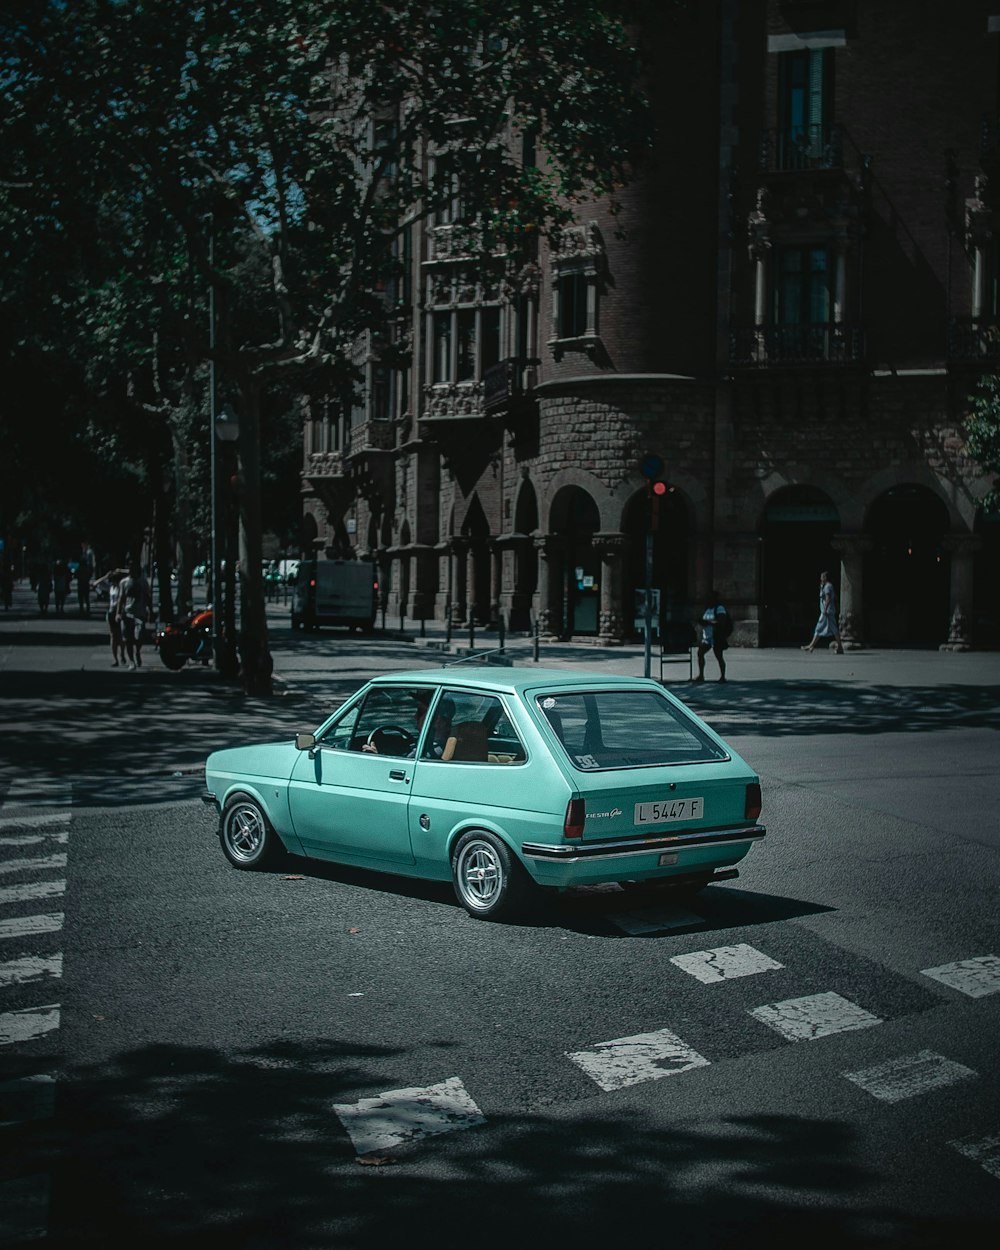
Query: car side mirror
point(305, 742)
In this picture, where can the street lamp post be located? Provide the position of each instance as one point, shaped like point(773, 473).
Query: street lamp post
point(226, 427)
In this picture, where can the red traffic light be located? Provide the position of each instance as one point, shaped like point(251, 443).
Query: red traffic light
point(659, 488)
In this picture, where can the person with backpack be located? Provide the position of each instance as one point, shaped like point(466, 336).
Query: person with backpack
point(716, 626)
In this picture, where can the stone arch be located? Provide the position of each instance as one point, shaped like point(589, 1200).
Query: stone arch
point(603, 499)
point(526, 508)
point(525, 556)
point(795, 534)
point(574, 519)
point(476, 530)
point(908, 567)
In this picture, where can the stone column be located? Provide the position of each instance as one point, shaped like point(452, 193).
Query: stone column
point(962, 548)
point(549, 548)
point(470, 584)
point(457, 557)
point(611, 622)
point(496, 573)
point(851, 548)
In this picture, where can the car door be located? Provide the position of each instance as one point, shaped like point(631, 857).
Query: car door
point(350, 805)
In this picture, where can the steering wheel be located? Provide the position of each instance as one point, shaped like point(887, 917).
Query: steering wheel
point(375, 738)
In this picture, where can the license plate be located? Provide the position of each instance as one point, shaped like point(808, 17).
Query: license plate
point(664, 810)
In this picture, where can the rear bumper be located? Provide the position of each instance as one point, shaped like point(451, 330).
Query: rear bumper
point(634, 848)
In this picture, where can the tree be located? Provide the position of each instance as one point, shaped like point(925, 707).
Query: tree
point(982, 433)
point(313, 134)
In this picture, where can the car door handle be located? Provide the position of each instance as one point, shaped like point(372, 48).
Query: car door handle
point(397, 774)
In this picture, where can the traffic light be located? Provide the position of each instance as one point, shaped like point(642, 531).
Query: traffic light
point(653, 468)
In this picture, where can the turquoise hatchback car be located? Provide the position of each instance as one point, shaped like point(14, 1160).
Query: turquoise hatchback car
point(500, 780)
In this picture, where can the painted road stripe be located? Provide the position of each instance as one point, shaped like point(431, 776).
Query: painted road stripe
point(974, 977)
point(30, 968)
point(39, 820)
point(817, 1015)
point(632, 1060)
point(24, 1209)
point(34, 839)
point(28, 1025)
point(982, 1150)
point(655, 920)
point(37, 792)
point(400, 1116)
point(29, 892)
point(27, 1098)
point(909, 1075)
point(43, 864)
point(725, 962)
point(28, 926)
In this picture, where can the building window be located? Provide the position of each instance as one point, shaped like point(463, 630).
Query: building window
point(805, 107)
point(465, 365)
point(442, 347)
point(571, 321)
point(802, 292)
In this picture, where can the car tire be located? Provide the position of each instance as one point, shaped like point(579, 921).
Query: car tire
point(170, 657)
point(247, 836)
point(488, 879)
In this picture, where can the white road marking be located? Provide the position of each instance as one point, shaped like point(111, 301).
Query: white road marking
point(24, 1209)
point(725, 962)
point(37, 820)
point(37, 792)
point(30, 891)
point(816, 1015)
point(909, 1075)
point(33, 839)
point(985, 1151)
point(26, 926)
point(28, 1025)
point(974, 977)
point(401, 1116)
point(29, 968)
point(632, 1060)
point(46, 863)
point(654, 920)
point(27, 1098)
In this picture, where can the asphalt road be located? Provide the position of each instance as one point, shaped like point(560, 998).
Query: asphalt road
point(191, 1054)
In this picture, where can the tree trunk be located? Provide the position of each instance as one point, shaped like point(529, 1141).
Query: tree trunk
point(256, 664)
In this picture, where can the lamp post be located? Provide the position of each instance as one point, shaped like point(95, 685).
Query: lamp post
point(226, 428)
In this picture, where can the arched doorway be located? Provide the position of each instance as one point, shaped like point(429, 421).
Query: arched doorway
point(525, 557)
point(575, 520)
point(907, 570)
point(477, 530)
point(671, 572)
point(795, 534)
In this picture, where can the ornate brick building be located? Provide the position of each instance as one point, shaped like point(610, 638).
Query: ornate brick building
point(807, 288)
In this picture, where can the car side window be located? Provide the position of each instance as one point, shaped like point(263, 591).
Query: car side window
point(481, 732)
point(340, 735)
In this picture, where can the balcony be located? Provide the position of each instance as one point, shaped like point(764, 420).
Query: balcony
point(508, 385)
point(804, 147)
point(324, 465)
point(453, 402)
point(813, 345)
point(372, 436)
point(974, 340)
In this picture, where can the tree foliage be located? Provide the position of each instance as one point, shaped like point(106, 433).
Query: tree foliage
point(982, 432)
point(280, 150)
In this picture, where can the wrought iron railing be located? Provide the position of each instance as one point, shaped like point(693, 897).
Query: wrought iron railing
point(802, 147)
point(974, 338)
point(811, 343)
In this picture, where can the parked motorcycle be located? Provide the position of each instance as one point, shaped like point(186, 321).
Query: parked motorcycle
point(189, 638)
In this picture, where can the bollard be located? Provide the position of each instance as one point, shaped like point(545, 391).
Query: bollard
point(501, 631)
point(536, 641)
point(472, 632)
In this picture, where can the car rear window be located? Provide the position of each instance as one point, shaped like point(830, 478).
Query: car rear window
point(626, 729)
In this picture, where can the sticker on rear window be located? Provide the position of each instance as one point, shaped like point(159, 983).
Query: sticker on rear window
point(548, 703)
point(585, 761)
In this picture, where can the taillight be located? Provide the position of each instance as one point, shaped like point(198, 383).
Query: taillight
point(573, 823)
point(312, 583)
point(752, 803)
point(374, 585)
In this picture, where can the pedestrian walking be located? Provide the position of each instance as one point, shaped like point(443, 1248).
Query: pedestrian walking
point(84, 576)
point(134, 610)
point(43, 584)
point(716, 626)
point(828, 626)
point(60, 584)
point(112, 579)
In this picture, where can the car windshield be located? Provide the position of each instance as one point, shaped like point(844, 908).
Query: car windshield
point(625, 729)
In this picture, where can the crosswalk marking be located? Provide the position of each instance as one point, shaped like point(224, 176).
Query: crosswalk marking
point(27, 1098)
point(725, 962)
point(816, 1015)
point(974, 977)
point(36, 820)
point(400, 1116)
point(909, 1075)
point(632, 1060)
point(34, 839)
point(30, 892)
point(28, 926)
point(28, 1024)
point(37, 792)
point(30, 968)
point(43, 864)
point(982, 1150)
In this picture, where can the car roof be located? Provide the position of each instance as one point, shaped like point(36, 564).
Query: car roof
point(493, 678)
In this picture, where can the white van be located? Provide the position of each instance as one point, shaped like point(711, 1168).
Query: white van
point(334, 592)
